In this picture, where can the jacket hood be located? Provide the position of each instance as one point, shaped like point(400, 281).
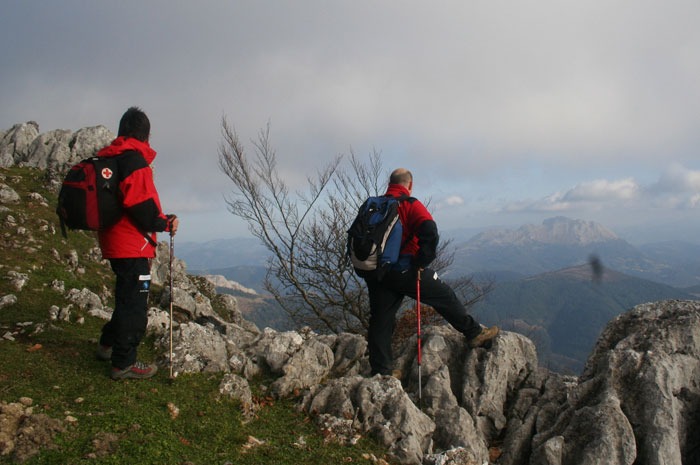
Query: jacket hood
point(122, 144)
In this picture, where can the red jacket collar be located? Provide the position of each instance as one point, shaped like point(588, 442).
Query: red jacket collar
point(397, 190)
point(122, 144)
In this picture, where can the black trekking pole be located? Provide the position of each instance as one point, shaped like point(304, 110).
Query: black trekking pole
point(420, 387)
point(172, 247)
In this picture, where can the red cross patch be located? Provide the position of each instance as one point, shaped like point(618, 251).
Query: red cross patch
point(107, 173)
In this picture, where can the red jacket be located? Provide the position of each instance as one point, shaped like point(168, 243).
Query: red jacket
point(420, 237)
point(140, 200)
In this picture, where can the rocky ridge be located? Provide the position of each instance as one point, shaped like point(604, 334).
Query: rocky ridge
point(635, 402)
point(558, 230)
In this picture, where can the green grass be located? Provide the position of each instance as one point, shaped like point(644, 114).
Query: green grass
point(64, 378)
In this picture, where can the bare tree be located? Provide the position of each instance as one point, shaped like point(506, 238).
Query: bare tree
point(309, 273)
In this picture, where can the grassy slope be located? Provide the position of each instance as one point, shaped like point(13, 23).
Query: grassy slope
point(207, 431)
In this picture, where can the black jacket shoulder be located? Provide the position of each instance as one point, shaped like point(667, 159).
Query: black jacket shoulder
point(130, 161)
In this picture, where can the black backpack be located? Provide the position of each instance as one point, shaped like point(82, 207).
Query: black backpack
point(374, 238)
point(89, 197)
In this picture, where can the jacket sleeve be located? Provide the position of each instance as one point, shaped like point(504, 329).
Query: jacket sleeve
point(140, 198)
point(423, 227)
point(428, 239)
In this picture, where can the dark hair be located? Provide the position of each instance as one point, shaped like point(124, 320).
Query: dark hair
point(134, 123)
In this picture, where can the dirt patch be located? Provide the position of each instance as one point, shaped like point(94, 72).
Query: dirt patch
point(104, 444)
point(23, 433)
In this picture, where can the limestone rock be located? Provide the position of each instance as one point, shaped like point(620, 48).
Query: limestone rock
point(8, 300)
point(229, 306)
point(196, 349)
point(240, 363)
point(468, 392)
point(381, 408)
point(104, 313)
point(306, 368)
point(49, 150)
point(275, 348)
point(349, 354)
point(638, 397)
point(85, 299)
point(494, 376)
point(8, 194)
point(182, 300)
point(243, 336)
point(158, 322)
point(17, 280)
point(86, 142)
point(15, 143)
point(236, 387)
point(456, 456)
point(160, 267)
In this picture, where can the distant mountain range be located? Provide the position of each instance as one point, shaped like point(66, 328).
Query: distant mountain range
point(222, 253)
point(502, 253)
point(564, 311)
point(562, 242)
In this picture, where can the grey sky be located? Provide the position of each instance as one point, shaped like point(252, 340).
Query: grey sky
point(506, 112)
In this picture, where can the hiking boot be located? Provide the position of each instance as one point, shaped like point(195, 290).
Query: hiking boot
point(484, 336)
point(138, 370)
point(103, 353)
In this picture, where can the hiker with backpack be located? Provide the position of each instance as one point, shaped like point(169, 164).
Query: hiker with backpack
point(130, 244)
point(390, 279)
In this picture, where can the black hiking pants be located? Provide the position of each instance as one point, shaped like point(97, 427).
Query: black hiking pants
point(385, 298)
point(124, 331)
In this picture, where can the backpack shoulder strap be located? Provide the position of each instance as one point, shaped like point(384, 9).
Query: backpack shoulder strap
point(409, 199)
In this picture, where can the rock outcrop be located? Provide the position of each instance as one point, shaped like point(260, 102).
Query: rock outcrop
point(378, 406)
point(54, 151)
point(638, 398)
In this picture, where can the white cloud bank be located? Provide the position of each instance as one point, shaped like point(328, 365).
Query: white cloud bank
point(677, 188)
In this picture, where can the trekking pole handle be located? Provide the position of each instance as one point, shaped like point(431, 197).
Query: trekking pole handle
point(172, 223)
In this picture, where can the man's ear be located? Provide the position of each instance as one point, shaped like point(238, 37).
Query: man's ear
point(410, 187)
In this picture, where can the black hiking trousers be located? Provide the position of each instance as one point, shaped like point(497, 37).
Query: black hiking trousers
point(385, 298)
point(124, 331)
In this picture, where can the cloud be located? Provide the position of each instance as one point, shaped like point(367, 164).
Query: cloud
point(603, 190)
point(454, 200)
point(676, 188)
point(451, 201)
point(677, 179)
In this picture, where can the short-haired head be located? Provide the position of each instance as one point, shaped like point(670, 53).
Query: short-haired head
point(135, 123)
point(401, 176)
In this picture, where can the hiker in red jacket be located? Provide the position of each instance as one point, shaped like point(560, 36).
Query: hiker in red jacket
point(420, 240)
point(130, 245)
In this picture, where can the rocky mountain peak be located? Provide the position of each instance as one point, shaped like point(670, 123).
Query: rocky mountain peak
point(558, 230)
